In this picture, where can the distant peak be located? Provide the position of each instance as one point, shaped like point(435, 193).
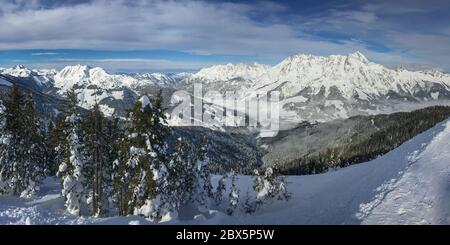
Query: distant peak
point(359, 56)
point(18, 71)
point(82, 66)
point(19, 67)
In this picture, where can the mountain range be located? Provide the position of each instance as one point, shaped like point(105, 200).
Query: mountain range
point(312, 88)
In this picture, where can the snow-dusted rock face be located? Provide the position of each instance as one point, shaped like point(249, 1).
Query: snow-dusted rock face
point(159, 79)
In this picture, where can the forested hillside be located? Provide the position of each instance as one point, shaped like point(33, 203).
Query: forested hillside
point(318, 148)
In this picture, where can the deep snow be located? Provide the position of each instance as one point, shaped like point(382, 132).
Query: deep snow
point(409, 185)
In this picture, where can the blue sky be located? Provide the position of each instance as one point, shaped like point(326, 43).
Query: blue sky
point(153, 35)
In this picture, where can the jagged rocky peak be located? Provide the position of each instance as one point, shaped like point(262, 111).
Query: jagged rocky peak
point(307, 59)
point(358, 56)
point(76, 71)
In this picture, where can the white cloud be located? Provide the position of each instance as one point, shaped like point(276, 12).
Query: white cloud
point(192, 26)
point(219, 28)
point(44, 53)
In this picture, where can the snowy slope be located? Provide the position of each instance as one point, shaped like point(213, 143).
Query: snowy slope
point(230, 71)
point(409, 185)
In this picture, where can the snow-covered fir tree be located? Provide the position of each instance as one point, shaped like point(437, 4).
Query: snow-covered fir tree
point(122, 172)
point(203, 190)
point(143, 172)
point(269, 185)
point(35, 158)
point(71, 169)
point(249, 204)
point(220, 189)
point(98, 165)
point(188, 181)
point(233, 197)
point(22, 166)
point(55, 137)
point(180, 180)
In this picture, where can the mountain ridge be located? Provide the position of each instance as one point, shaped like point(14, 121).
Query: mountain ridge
point(312, 88)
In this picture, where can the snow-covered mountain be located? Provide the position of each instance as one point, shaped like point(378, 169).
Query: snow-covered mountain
point(317, 88)
point(82, 76)
point(160, 79)
point(16, 71)
point(230, 71)
point(34, 77)
point(352, 77)
point(114, 92)
point(312, 88)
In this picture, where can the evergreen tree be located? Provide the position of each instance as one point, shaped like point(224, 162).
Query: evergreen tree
point(56, 135)
point(34, 142)
point(71, 169)
point(180, 180)
point(97, 167)
point(121, 175)
point(233, 200)
point(220, 189)
point(22, 149)
point(204, 188)
point(258, 185)
point(249, 204)
point(283, 193)
point(11, 148)
point(147, 151)
point(270, 185)
point(188, 182)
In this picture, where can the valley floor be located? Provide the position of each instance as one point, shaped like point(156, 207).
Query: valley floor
point(409, 185)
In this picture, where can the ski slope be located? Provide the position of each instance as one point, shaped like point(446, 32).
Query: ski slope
point(409, 185)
